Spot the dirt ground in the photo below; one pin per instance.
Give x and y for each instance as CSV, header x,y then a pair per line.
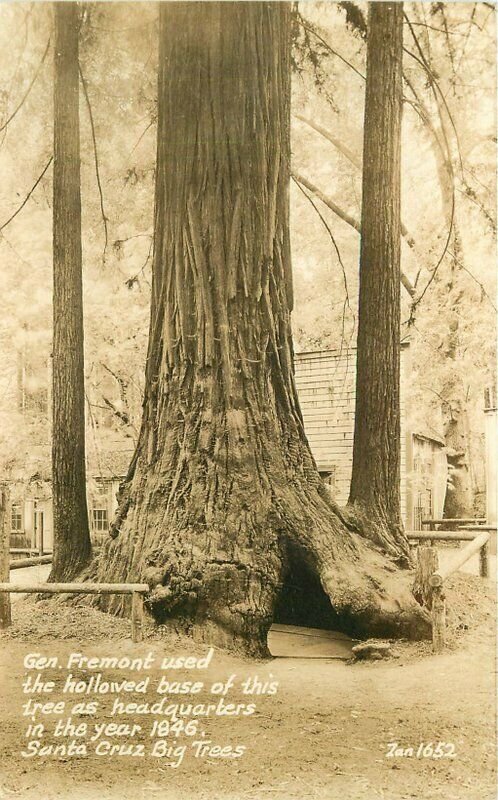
x,y
324,735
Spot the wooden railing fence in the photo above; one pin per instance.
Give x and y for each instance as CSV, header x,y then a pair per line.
x,y
429,578
137,591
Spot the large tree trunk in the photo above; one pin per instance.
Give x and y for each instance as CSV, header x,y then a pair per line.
x,y
375,483
223,511
71,536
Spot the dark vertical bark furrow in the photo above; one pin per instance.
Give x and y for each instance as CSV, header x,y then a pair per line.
x,y
71,534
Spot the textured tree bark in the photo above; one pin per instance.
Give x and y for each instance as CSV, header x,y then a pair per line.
x,y
427,564
72,548
375,483
223,510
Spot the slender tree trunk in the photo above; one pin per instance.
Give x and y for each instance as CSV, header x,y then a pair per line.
x,y
71,536
223,512
375,483
460,496
459,500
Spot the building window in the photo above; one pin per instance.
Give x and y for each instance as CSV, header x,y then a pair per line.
x,y
100,520
423,509
16,519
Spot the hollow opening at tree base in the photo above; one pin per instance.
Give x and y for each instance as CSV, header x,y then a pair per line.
x,y
302,601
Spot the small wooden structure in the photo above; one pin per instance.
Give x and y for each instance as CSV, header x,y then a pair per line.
x,y
429,579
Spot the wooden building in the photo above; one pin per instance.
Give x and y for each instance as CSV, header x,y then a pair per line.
x,y
31,502
325,382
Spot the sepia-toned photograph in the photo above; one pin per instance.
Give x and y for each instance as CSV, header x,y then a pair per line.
x,y
248,431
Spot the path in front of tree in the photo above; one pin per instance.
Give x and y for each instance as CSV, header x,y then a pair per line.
x,y
323,736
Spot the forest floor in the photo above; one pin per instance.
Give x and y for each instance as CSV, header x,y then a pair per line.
x,y
323,735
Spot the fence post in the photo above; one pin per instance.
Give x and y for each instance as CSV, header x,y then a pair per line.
x,y
438,614
490,421
137,616
427,564
5,609
484,560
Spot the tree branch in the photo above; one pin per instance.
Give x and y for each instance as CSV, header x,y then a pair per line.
x,y
96,159
354,223
436,89
433,28
347,303
332,139
121,415
131,281
151,123
28,90
20,208
308,27
418,299
332,238
353,159
471,275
